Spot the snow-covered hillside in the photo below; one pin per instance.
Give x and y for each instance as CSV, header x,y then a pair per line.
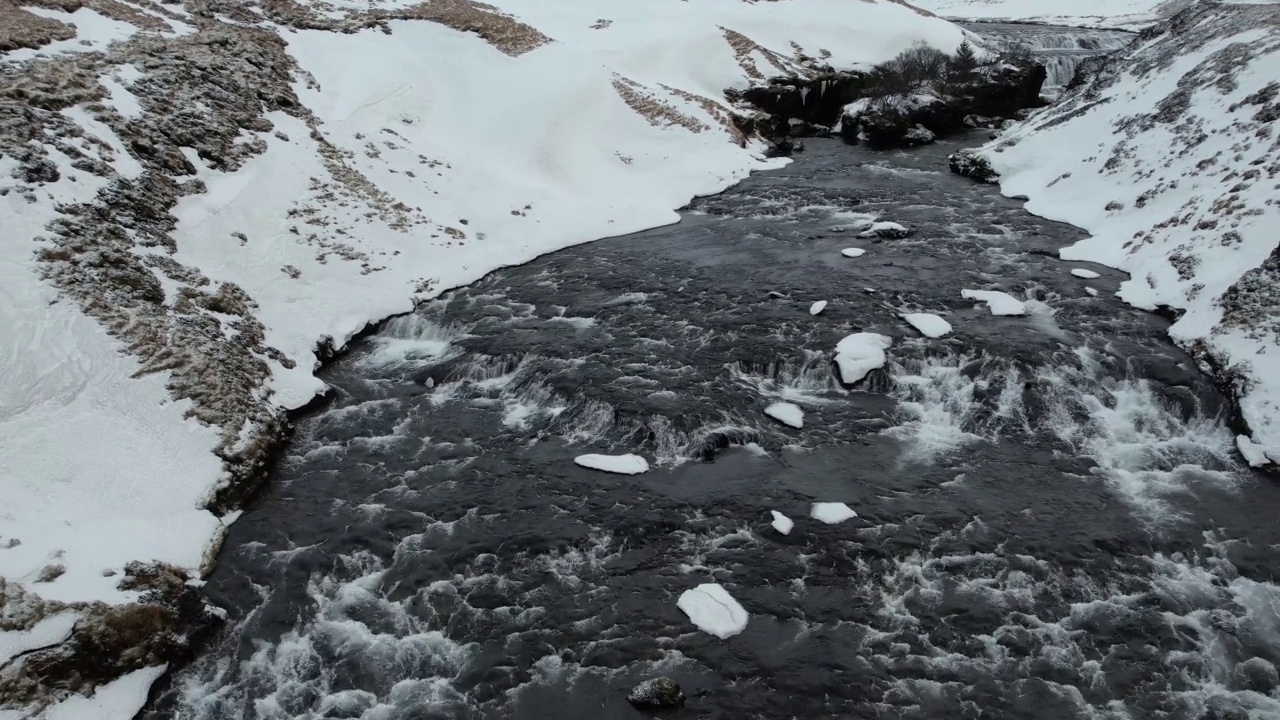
x,y
1170,157
1126,14
195,194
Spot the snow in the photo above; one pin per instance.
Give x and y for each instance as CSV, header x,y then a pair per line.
x,y
713,610
1086,274
853,252
831,513
94,31
1000,303
884,228
781,523
818,307
929,325
859,354
49,631
1122,14
1164,163
620,464
117,700
1253,453
786,413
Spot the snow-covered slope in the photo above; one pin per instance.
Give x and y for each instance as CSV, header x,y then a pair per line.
x,y
1127,14
1170,157
200,191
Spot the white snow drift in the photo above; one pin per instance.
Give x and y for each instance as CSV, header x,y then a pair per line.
x,y
713,610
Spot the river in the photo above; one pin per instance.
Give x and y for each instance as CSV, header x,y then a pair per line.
x,y
1051,520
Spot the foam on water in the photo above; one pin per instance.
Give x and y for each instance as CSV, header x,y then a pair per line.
x,y
412,339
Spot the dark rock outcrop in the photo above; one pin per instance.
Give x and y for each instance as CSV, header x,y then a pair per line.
x,y
968,163
993,95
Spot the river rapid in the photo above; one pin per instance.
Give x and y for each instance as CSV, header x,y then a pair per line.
x,y
1052,522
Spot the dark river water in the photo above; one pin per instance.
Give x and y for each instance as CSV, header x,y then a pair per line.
x,y
1051,520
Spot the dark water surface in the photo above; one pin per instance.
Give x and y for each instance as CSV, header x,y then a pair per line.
x,y
1051,522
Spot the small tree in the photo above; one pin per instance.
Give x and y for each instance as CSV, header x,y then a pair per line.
x,y
965,60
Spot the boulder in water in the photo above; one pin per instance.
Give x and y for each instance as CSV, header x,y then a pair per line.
x,y
660,693
970,164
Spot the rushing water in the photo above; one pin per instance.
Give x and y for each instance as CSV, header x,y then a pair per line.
x,y
1059,49
1051,522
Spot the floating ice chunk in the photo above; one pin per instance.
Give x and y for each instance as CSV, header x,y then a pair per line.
x,y
885,230
1001,303
859,354
817,307
869,291
853,252
1092,292
929,325
620,464
1086,274
831,513
781,523
1253,453
786,413
713,610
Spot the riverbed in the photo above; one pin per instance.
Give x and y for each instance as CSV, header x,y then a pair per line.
x,y
1051,521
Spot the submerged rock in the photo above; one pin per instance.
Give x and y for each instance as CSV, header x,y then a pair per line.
x,y
657,693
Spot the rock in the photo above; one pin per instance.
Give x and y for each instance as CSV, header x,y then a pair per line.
x,y
1256,674
919,135
39,171
660,693
888,230
783,148
967,163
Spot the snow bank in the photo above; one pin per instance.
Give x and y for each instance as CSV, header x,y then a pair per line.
x,y
831,513
859,354
818,307
929,325
1123,14
786,413
713,610
620,464
1168,158
1000,303
782,523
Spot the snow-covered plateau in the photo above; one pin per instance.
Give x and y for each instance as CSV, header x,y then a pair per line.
x,y
202,200
1169,155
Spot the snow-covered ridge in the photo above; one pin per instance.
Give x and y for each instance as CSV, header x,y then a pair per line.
x,y
1127,14
199,192
1170,157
